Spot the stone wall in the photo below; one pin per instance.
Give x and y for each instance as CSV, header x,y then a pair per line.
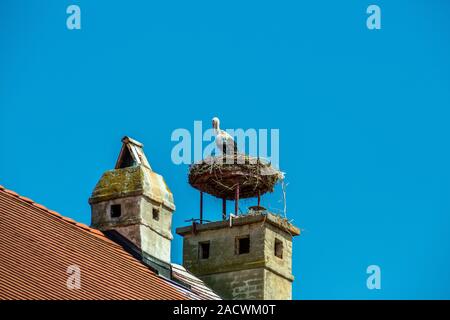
x,y
281,265
238,285
101,213
276,287
222,256
137,224
259,274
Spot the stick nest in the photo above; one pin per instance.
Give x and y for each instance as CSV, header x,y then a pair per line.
x,y
220,175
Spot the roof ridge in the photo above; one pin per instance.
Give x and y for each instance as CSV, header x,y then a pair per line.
x,y
71,221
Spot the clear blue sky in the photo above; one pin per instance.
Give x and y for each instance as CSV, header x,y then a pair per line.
x,y
363,118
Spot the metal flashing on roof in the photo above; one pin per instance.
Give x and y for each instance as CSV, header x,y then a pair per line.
x,y
172,272
162,268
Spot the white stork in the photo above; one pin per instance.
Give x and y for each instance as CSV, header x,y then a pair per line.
x,y
224,140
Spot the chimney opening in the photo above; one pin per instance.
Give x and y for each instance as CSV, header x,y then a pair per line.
x,y
126,159
242,244
116,210
155,214
278,248
203,250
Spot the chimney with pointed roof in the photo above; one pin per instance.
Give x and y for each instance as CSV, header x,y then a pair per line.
x,y
135,202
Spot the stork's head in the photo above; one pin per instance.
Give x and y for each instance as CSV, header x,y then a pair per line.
x,y
215,123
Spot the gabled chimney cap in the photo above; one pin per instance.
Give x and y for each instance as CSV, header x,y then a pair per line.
x,y
132,152
127,139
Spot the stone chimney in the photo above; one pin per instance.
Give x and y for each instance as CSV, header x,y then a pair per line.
x,y
247,257
135,202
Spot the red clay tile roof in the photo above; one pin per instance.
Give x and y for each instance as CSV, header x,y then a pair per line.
x,y
37,246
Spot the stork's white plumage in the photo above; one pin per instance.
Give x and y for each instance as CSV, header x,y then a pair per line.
x,y
224,140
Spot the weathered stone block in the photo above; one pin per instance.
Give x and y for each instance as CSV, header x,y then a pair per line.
x,y
256,274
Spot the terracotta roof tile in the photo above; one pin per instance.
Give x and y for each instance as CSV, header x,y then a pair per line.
x,y
40,206
69,220
54,213
26,199
37,246
11,192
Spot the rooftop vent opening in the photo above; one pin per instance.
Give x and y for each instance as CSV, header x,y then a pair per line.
x,y
278,250
126,160
242,244
116,210
203,250
155,214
